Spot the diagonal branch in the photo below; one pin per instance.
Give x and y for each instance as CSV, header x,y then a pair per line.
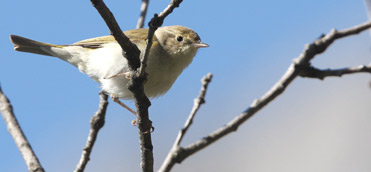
x,y
131,51
19,138
196,106
96,123
310,51
312,72
155,23
143,13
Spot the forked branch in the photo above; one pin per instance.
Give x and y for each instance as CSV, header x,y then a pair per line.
x,y
138,78
297,68
196,106
312,72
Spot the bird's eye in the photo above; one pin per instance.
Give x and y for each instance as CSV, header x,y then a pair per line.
x,y
179,38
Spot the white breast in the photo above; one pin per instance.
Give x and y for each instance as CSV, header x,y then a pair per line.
x,y
108,61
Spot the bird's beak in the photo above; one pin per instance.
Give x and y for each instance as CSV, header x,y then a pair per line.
x,y
200,45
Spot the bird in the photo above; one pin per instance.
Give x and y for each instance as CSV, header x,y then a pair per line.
x,y
101,58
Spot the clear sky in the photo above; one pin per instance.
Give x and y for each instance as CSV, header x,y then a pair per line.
x,y
314,126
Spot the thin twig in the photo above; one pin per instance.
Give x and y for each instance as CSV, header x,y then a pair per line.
x,y
293,71
19,138
196,106
311,72
155,23
96,123
143,13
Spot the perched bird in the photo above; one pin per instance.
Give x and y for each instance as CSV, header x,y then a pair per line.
x,y
101,58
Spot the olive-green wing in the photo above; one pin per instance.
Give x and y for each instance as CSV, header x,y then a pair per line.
x,y
136,36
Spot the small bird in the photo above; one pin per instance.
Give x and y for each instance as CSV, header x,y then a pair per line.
x,y
101,58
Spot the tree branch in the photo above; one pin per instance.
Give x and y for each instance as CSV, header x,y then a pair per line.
x,y
310,51
19,138
135,84
96,123
312,72
141,101
131,51
143,13
155,23
196,106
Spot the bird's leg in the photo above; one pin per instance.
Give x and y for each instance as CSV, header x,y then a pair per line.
x,y
117,100
126,74
133,122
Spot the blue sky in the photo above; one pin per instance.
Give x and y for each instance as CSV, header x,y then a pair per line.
x,y
314,126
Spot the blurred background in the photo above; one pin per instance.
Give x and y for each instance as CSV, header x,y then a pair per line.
x,y
313,126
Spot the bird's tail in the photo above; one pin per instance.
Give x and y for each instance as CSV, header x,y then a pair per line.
x,y
31,46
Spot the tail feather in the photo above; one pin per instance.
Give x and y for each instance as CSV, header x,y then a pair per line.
x,y
31,46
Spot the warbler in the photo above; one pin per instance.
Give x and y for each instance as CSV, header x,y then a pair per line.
x,y
101,58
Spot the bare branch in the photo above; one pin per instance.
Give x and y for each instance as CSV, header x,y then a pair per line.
x,y
155,23
96,123
135,85
310,51
131,51
19,138
142,104
311,72
141,101
169,161
196,106
168,10
143,13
